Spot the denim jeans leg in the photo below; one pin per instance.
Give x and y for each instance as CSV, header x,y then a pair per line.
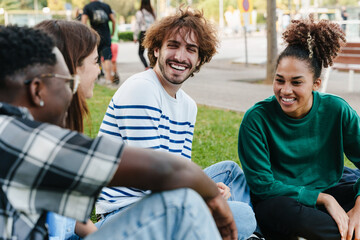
x,y
244,217
109,216
350,175
231,175
177,214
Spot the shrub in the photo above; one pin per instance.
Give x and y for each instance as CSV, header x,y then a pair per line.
x,y
126,36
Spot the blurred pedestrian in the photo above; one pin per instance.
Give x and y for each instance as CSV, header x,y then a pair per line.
x,y
100,14
114,52
145,16
78,14
344,16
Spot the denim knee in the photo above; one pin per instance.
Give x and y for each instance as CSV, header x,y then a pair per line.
x,y
230,168
176,214
244,217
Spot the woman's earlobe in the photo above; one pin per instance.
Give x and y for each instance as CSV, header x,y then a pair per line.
x,y
317,84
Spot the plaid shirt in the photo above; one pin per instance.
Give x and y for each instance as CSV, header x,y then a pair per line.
x,y
47,168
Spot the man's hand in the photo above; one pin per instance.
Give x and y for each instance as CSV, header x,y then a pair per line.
x,y
336,212
223,217
224,190
354,221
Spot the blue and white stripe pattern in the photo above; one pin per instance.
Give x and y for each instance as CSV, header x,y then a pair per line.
x,y
142,114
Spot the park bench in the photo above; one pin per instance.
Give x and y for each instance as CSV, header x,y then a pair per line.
x,y
347,60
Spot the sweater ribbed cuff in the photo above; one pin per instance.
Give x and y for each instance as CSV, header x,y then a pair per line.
x,y
357,188
308,197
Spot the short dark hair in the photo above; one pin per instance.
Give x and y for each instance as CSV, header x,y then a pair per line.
x,y
189,20
22,47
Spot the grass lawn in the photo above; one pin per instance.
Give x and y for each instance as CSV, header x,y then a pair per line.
x,y
215,137
216,130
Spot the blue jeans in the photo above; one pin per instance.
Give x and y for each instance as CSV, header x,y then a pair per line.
x,y
350,175
60,227
229,173
177,214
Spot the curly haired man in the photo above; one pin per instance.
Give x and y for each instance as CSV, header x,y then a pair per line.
x,y
150,110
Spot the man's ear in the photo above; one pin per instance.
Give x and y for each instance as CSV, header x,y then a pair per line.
x,y
37,92
156,52
198,62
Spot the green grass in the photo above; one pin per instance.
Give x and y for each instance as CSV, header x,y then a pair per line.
x,y
97,105
216,130
215,136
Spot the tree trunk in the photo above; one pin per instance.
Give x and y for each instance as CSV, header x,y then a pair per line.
x,y
271,41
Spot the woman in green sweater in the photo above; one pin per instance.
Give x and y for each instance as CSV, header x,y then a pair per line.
x,y
292,144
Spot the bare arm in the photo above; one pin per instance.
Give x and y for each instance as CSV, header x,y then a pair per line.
x,y
336,212
158,171
84,18
84,229
354,221
147,169
112,18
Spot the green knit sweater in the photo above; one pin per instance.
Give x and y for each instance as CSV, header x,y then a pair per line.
x,y
298,158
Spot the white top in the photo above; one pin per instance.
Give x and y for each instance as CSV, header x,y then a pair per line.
x,y
143,114
144,19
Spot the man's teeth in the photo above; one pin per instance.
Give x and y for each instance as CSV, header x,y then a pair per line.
x,y
288,99
177,67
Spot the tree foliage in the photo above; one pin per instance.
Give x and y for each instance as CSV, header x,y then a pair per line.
x,y
211,7
123,8
10,4
127,8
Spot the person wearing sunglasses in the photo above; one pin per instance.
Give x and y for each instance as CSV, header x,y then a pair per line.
x,y
72,81
45,167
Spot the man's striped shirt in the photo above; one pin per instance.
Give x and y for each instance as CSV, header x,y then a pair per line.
x,y
143,114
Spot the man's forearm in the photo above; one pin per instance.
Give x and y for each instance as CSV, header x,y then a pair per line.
x,y
158,171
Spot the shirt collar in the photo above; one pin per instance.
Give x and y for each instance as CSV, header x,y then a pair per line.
x,y
10,110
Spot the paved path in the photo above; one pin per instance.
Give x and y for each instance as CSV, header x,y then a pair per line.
x,y
225,84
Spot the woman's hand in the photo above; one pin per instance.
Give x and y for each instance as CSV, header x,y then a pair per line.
x,y
336,212
354,221
224,190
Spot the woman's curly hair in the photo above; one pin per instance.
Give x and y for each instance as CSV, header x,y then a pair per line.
x,y
189,20
316,42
